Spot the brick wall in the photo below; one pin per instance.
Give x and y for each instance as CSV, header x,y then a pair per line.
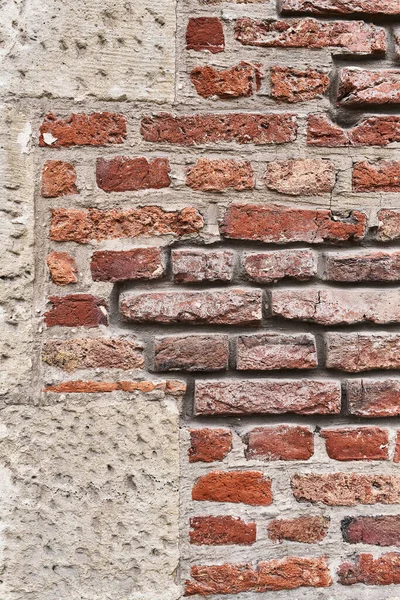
x,y
242,243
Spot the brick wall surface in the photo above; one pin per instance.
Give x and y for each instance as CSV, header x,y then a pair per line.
x,y
233,245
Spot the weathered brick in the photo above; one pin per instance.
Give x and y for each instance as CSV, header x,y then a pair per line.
x,y
382,176
384,570
228,307
93,353
95,129
285,574
371,131
337,306
58,179
355,352
191,353
301,177
209,445
76,310
140,263
363,266
342,37
246,487
194,266
219,175
62,268
360,87
306,530
269,267
346,489
242,80
205,33
221,531
361,443
374,398
242,128
281,224
271,351
388,224
379,531
123,174
396,457
173,388
274,396
83,226
342,7
283,442
297,85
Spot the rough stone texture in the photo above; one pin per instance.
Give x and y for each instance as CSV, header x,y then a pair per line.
x,y
95,129
246,487
371,131
356,352
359,87
374,398
345,7
196,266
123,174
58,179
140,263
76,310
296,85
270,351
378,531
209,445
269,267
191,353
62,268
205,33
362,443
307,530
363,266
383,570
301,177
388,225
221,531
382,176
239,81
219,175
280,443
278,396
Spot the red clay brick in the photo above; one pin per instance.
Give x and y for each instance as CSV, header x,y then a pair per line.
x,y
374,398
363,266
191,353
371,131
195,266
246,487
270,351
341,7
301,177
221,531
83,226
76,310
219,175
274,396
356,352
283,442
242,128
95,129
396,457
123,174
209,445
306,530
281,224
173,388
140,263
62,268
388,225
382,176
361,443
297,85
269,267
205,33
58,179
242,80
378,531
384,570
360,87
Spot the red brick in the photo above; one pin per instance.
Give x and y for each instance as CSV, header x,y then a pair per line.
x,y
62,268
96,129
342,7
269,267
191,353
379,531
301,177
374,398
361,443
228,307
285,574
242,128
337,306
194,266
346,489
355,352
363,266
219,175
209,445
284,442
205,33
281,224
297,85
123,174
384,570
270,351
371,131
246,487
388,225
306,530
140,263
76,310
342,37
221,531
360,87
93,353
242,80
58,179
396,457
382,176
274,396
173,388
83,226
